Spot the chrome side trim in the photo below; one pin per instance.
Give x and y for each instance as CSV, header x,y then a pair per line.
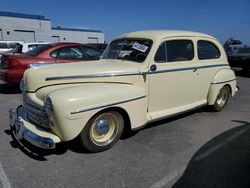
x,y
90,76
188,68
130,74
210,66
112,104
224,81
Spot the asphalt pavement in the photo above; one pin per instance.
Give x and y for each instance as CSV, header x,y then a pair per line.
x,y
195,149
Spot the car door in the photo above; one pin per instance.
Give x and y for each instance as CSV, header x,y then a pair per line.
x,y
173,79
209,62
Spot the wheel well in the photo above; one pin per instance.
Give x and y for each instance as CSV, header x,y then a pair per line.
x,y
127,122
230,89
211,97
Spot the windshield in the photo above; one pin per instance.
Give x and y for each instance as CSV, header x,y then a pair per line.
x,y
128,49
36,51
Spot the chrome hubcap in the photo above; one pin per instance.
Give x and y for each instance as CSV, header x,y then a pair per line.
x,y
222,97
104,129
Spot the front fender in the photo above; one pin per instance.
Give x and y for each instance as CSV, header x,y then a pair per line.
x,y
74,106
221,78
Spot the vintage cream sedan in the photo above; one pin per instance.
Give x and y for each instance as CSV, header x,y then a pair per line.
x,y
142,77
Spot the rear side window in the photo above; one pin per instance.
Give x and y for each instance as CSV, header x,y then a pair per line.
x,y
32,46
70,53
175,50
54,53
207,50
38,50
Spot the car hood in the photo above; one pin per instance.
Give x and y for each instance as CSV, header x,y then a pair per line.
x,y
101,71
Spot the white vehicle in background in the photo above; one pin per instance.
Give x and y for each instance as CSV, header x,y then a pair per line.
x,y
7,46
18,47
23,47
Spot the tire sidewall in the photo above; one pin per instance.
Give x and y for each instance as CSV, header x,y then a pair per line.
x,y
86,139
216,106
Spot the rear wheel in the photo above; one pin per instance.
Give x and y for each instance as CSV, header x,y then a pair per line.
x,y
222,99
102,131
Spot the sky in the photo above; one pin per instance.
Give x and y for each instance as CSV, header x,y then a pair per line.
x,y
220,18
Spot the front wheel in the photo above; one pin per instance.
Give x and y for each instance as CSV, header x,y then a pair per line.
x,y
222,99
102,131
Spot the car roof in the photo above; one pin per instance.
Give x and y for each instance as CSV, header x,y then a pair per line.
x,y
67,44
54,46
10,41
159,34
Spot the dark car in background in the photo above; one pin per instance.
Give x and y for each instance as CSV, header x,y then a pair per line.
x,y
12,67
240,58
100,46
238,54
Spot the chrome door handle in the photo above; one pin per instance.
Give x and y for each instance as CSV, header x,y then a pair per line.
x,y
195,69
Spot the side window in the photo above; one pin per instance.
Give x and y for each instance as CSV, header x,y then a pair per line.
x,y
18,48
12,44
54,53
175,50
32,46
3,45
71,53
207,50
160,56
91,53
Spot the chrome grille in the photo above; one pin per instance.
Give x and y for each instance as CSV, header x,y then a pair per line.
x,y
35,113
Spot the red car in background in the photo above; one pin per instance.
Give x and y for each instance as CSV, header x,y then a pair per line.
x,y
12,67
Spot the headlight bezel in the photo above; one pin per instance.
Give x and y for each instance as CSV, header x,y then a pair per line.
x,y
22,86
48,106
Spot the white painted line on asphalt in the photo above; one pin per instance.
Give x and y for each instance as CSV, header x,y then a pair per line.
x,y
221,144
3,178
167,179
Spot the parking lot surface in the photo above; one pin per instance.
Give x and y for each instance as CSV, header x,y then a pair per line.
x,y
196,149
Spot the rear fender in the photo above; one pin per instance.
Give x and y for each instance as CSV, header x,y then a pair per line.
x,y
222,77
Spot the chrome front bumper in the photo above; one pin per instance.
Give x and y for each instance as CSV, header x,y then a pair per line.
x,y
22,129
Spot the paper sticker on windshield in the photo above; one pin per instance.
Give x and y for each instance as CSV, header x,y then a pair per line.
x,y
140,47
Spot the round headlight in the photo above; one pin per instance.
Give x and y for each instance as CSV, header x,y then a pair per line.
x,y
48,106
